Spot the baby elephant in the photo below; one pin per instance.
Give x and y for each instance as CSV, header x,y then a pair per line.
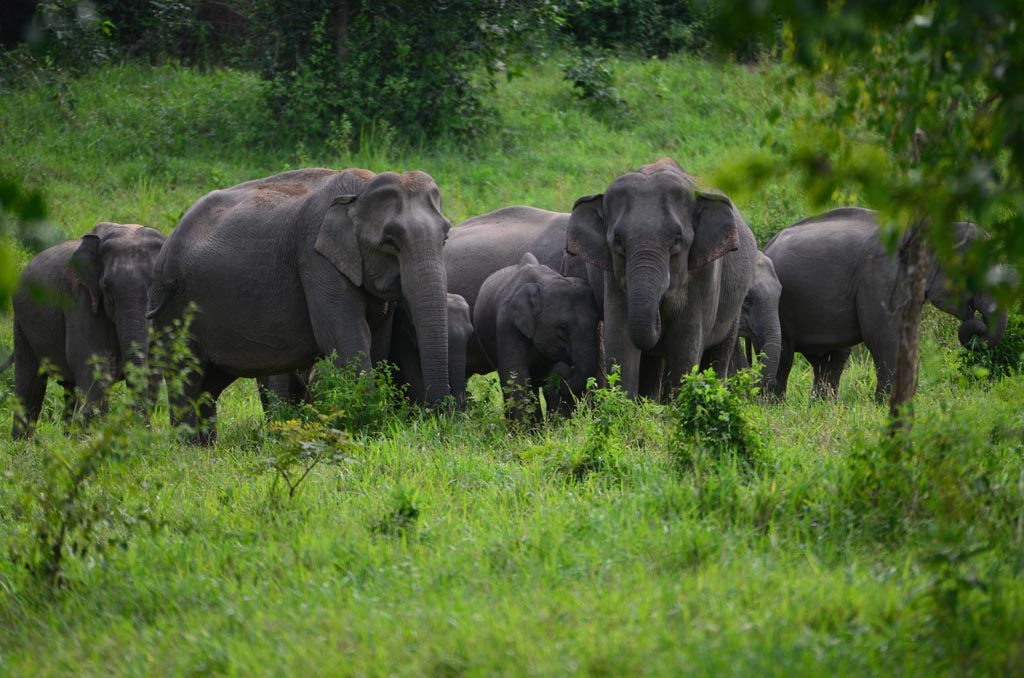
x,y
80,306
533,323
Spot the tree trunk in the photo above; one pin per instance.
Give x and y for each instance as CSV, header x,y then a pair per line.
x,y
908,298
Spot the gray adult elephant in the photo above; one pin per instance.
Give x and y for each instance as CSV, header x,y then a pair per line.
x,y
80,302
284,270
759,324
838,286
677,263
533,323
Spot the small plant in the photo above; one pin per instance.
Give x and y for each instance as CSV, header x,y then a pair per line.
x,y
611,410
353,399
401,518
76,510
713,420
300,446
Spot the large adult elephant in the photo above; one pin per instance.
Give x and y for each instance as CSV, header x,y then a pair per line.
x,y
284,270
677,263
759,324
838,285
78,302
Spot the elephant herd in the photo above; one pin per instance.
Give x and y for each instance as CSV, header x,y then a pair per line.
x,y
659,271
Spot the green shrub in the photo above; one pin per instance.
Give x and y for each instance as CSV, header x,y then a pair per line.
x,y
713,420
1006,357
644,27
594,84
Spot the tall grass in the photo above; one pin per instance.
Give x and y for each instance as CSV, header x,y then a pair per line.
x,y
461,545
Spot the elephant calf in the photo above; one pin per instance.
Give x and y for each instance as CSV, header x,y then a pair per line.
x,y
531,323
838,284
78,302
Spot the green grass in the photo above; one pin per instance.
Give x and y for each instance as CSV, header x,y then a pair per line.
x,y
832,558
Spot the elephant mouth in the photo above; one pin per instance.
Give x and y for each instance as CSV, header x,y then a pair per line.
x,y
972,334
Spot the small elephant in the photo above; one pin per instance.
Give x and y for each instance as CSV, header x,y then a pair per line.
x,y
838,284
759,324
284,269
677,263
394,340
533,323
77,303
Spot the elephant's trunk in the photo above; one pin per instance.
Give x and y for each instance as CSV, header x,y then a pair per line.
x,y
990,327
646,282
133,342
770,345
425,290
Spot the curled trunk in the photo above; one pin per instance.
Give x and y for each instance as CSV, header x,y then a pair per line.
x,y
647,280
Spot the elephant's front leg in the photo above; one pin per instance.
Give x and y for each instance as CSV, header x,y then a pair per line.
x,y
619,348
514,372
340,326
682,344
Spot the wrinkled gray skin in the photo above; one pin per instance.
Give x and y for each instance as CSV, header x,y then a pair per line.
x,y
677,264
837,291
285,269
532,323
759,324
77,302
394,340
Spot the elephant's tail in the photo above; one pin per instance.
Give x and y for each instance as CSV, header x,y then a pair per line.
x,y
7,363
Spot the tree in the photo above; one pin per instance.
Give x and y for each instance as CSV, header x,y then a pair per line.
x,y
923,118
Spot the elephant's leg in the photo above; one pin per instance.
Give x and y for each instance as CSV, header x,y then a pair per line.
x,y
882,347
71,403
93,380
214,382
29,387
514,373
819,366
651,377
618,346
835,364
782,375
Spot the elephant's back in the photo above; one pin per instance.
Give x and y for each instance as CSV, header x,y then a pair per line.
x,y
481,245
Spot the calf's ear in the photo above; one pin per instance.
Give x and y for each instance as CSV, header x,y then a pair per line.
x,y
525,305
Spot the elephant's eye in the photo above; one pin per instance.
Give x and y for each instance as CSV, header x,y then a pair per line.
x,y
677,245
617,243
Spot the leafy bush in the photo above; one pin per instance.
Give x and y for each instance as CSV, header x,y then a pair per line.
x,y
712,419
418,67
349,399
1006,357
594,83
644,27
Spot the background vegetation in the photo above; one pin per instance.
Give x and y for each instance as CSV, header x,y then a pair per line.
x,y
719,535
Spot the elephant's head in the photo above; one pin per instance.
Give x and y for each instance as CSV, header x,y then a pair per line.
x,y
113,269
651,229
978,311
386,236
559,317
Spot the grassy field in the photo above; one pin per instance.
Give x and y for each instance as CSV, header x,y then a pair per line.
x,y
461,546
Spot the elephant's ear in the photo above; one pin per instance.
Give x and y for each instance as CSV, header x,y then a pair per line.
x,y
528,259
337,240
83,269
715,230
525,304
587,236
